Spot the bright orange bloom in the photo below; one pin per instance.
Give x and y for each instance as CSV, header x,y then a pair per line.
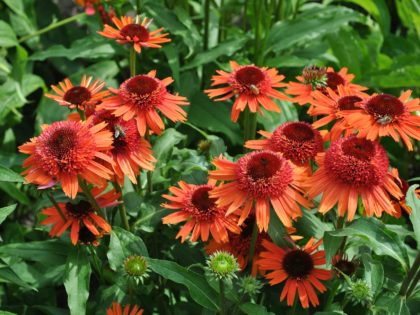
x,y
118,310
296,141
80,217
253,85
297,267
129,31
140,97
353,168
203,217
385,115
260,177
400,204
332,104
84,96
130,151
314,78
65,150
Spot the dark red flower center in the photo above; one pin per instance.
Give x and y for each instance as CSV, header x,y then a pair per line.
x,y
77,95
359,148
345,266
263,166
86,236
249,75
141,85
62,142
201,199
135,32
385,107
334,80
298,263
79,210
299,132
348,102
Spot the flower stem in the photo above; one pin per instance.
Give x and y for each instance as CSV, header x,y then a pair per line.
x,y
413,284
89,195
250,125
222,297
81,114
132,62
410,275
96,262
121,207
57,207
206,24
52,26
254,238
149,173
332,295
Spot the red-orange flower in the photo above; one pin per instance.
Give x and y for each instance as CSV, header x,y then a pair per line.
x,y
88,5
314,78
80,217
130,151
353,168
118,310
332,104
296,141
260,177
84,96
135,32
298,267
203,216
140,97
254,86
400,204
386,115
65,150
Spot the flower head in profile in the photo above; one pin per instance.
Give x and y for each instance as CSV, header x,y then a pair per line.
x,y
142,97
253,86
386,115
66,150
299,267
129,150
85,225
343,265
135,32
117,309
352,168
296,141
332,105
203,216
400,204
318,79
260,178
84,96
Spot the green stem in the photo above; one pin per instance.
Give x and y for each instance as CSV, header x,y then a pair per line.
x,y
410,275
57,207
149,173
333,292
250,125
132,62
52,26
206,24
81,114
222,297
221,22
413,284
244,26
96,262
121,207
339,226
89,195
138,6
254,238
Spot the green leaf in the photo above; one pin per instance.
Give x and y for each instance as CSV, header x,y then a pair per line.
x,y
165,144
15,193
7,36
9,275
252,309
374,274
5,211
331,246
374,234
398,306
276,230
7,175
122,245
6,313
76,281
414,203
271,120
310,225
199,289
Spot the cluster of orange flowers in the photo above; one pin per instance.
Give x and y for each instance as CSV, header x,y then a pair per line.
x,y
107,140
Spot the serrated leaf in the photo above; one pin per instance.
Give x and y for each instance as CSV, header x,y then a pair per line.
x,y
5,211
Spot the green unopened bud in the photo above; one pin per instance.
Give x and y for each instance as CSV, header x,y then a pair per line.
x,y
136,266
360,292
250,285
222,265
315,76
204,146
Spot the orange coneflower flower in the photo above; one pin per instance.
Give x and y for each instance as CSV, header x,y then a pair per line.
x,y
81,218
88,5
130,151
118,310
353,168
253,85
386,115
296,141
297,267
260,177
84,96
65,150
400,204
333,104
134,32
314,78
195,205
140,97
